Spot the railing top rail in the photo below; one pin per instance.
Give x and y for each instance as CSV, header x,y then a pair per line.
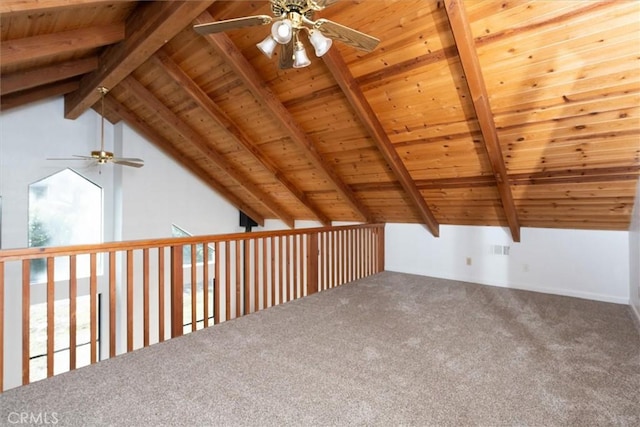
x,y
39,252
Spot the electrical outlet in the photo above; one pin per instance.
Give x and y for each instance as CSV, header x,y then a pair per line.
x,y
469,261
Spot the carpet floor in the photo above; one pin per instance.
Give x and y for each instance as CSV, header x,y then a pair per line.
x,y
391,349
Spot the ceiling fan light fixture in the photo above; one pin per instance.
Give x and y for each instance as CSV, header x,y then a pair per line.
x,y
282,31
320,43
300,58
267,46
290,17
102,156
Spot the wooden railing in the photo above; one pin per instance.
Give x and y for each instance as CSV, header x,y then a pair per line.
x,y
141,292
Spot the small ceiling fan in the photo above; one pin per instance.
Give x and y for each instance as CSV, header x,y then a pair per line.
x,y
101,156
290,18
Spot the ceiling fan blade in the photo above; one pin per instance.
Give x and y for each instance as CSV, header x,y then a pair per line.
x,y
128,159
325,3
71,158
136,163
232,24
286,55
347,35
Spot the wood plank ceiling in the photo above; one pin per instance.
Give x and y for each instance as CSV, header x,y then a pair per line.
x,y
509,113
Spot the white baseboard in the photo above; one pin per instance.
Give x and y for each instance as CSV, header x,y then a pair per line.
x,y
567,293
553,291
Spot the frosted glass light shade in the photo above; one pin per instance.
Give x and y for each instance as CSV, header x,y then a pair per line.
x,y
267,46
320,43
282,31
300,58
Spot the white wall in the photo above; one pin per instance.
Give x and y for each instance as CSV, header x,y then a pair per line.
x,y
634,258
148,200
28,137
164,193
138,203
579,263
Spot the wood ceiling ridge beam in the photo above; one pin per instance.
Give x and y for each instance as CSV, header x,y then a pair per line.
x,y
9,8
148,28
463,37
23,80
335,63
164,145
555,21
173,70
19,51
14,100
200,143
256,84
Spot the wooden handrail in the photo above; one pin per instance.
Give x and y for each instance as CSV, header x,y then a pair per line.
x,y
143,283
31,253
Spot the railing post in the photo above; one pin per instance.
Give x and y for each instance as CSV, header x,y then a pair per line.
x,y
177,291
2,324
246,274
312,264
380,231
26,319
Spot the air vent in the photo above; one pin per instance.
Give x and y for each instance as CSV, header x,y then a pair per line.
x,y
499,250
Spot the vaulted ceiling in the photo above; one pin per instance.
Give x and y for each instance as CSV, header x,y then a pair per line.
x,y
509,113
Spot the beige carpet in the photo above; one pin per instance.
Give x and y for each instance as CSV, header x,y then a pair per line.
x,y
393,349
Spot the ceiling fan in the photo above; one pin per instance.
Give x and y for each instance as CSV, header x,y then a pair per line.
x,y
290,18
101,156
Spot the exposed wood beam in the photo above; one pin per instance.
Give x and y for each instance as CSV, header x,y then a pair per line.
x,y
148,28
243,69
43,92
198,142
13,7
116,108
475,80
368,118
163,61
18,51
578,176
18,81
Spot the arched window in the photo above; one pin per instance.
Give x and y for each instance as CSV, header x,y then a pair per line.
x,y
64,209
